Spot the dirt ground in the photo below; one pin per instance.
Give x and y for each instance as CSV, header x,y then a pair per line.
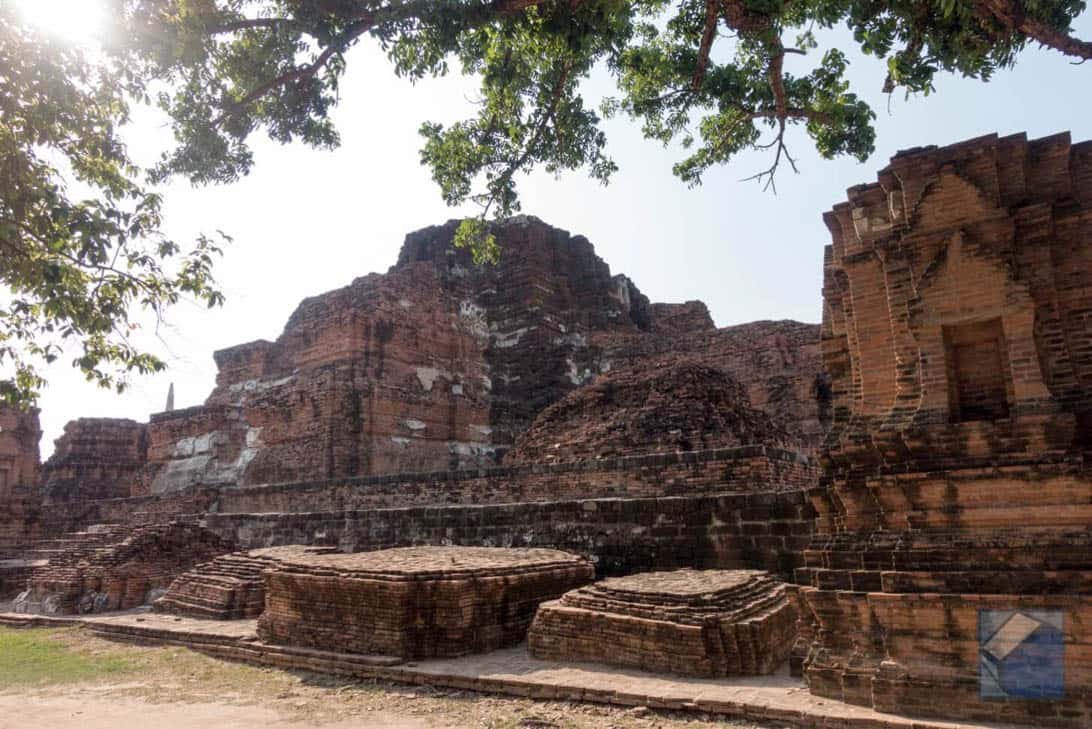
x,y
174,688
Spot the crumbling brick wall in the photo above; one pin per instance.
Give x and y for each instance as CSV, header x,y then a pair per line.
x,y
116,568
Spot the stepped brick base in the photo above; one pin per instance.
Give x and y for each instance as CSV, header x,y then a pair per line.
x,y
230,587
414,602
699,623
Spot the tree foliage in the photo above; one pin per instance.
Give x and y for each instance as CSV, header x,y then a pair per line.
x,y
709,74
77,271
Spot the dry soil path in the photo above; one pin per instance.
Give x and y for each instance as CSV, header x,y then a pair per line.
x,y
87,711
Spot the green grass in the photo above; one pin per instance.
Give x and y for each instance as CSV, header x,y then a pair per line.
x,y
40,657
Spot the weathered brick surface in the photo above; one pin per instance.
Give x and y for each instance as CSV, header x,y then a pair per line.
x,y
665,405
747,469
20,433
697,623
777,362
19,459
438,364
957,332
417,602
112,567
229,587
96,458
185,505
621,536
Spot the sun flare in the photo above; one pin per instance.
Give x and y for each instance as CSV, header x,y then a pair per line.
x,y
77,21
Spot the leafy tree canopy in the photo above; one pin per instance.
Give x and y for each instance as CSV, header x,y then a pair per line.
x,y
82,256
709,74
237,66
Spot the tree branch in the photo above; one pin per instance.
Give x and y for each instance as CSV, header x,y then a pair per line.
x,y
1011,14
540,129
707,36
301,73
245,24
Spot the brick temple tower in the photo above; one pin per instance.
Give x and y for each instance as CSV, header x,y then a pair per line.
x,y
957,330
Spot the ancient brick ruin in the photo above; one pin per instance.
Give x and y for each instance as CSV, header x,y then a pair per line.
x,y
402,464
96,458
437,365
20,433
114,567
415,602
662,405
408,408
698,623
957,332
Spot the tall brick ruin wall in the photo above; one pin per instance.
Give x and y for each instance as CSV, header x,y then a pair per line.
x,y
438,364
96,458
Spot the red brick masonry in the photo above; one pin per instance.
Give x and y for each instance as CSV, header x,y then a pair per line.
x,y
958,335
697,623
416,602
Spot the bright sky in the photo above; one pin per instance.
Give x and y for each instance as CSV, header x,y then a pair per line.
x,y
305,222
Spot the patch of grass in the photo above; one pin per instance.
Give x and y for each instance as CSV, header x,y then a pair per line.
x,y
41,657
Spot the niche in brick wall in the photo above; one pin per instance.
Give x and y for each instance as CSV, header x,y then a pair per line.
x,y
979,379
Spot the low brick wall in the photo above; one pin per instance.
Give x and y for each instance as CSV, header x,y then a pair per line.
x,y
621,536
743,469
747,469
66,516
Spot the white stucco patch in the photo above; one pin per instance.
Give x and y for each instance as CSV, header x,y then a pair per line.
x,y
474,450
253,443
427,376
620,290
505,340
576,339
250,387
576,375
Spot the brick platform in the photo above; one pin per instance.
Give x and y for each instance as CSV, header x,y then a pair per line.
x,y
414,602
698,623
